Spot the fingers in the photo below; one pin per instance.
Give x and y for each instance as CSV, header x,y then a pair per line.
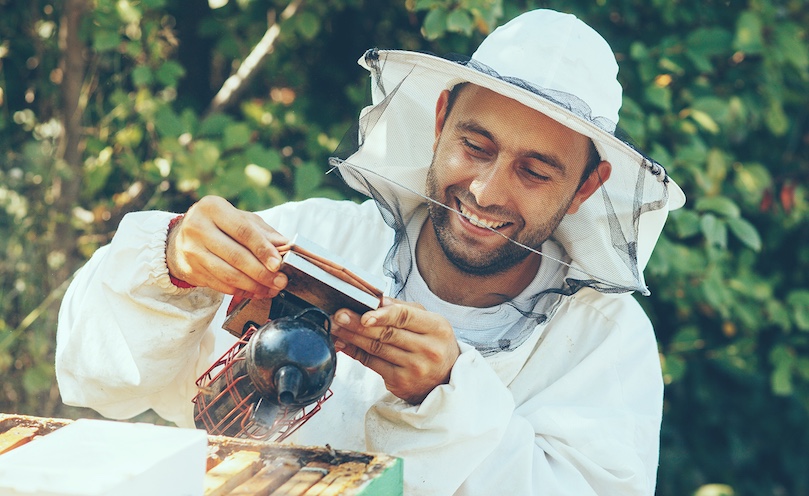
x,y
378,348
412,349
257,238
229,250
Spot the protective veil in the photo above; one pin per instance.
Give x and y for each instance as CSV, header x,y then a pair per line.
x,y
607,243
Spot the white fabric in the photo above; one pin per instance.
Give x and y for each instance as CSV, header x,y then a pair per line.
x,y
574,410
487,326
576,60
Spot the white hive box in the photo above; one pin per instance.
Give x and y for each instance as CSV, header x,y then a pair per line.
x,y
101,457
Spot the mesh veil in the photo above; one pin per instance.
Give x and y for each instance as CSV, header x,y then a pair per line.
x,y
604,246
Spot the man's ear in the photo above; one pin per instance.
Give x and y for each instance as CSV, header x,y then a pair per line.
x,y
597,177
440,115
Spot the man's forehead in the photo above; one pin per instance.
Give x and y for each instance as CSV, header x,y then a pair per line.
x,y
522,121
473,95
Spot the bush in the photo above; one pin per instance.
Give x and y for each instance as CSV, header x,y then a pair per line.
x,y
715,91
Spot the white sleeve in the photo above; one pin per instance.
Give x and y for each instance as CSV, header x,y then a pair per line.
x,y
127,338
581,418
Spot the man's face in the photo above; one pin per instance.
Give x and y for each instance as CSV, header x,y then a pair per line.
x,y
507,167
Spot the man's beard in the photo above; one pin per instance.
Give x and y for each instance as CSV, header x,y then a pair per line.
x,y
474,262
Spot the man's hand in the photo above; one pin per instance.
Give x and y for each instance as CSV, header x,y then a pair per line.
x,y
412,349
216,245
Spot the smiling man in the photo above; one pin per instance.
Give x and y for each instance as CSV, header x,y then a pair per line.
x,y
512,226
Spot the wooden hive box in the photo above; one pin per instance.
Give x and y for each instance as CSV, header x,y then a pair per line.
x,y
246,467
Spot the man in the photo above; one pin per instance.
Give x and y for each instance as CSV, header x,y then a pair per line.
x,y
509,356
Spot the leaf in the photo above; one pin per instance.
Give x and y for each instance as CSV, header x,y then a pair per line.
x,y
106,40
692,152
751,179
459,21
715,490
266,158
435,23
659,97
716,166
721,205
236,136
705,121
791,40
802,368
426,4
714,230
781,378
798,303
674,368
687,222
704,43
214,125
778,314
231,183
307,24
661,154
638,51
746,233
308,177
168,123
130,136
169,73
748,37
687,339
709,42
715,291
96,172
717,108
687,260
776,119
142,76
204,156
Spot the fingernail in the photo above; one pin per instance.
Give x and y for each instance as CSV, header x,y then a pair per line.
x,y
273,264
370,321
342,318
280,280
339,345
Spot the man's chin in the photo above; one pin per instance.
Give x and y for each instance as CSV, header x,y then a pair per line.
x,y
489,265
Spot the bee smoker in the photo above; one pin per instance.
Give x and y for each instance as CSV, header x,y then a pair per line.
x,y
263,385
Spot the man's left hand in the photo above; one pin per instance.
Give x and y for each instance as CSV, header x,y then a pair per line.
x,y
412,349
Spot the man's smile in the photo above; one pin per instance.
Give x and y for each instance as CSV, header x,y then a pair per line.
x,y
479,221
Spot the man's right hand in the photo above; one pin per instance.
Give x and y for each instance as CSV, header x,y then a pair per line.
x,y
218,246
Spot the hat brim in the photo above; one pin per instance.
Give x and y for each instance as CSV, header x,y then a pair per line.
x,y
444,74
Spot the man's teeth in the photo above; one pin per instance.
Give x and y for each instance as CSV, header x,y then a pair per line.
x,y
474,219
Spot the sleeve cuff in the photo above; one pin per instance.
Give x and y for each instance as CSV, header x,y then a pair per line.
x,y
175,281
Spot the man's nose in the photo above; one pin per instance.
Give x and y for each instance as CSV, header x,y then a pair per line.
x,y
490,186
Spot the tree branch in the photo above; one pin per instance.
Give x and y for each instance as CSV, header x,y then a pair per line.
x,y
236,83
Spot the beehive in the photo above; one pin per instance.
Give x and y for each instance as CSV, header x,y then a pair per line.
x,y
247,467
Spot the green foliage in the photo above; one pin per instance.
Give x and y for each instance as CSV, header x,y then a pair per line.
x,y
714,90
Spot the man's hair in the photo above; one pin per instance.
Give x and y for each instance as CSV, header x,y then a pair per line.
x,y
593,158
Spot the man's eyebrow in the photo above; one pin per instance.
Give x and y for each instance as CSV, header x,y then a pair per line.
x,y
548,158
474,127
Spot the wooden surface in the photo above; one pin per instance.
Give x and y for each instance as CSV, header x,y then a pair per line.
x,y
242,467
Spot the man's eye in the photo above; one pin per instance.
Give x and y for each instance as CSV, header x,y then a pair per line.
x,y
535,175
479,150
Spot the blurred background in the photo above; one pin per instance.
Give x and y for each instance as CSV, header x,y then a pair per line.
x,y
111,106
